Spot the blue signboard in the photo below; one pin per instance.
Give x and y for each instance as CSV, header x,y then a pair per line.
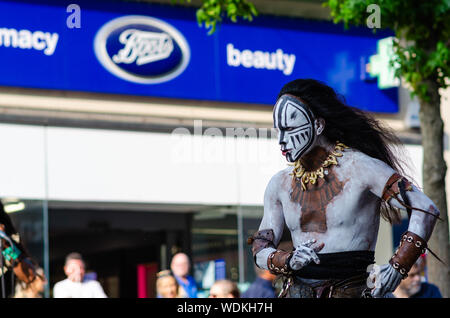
x,y
155,50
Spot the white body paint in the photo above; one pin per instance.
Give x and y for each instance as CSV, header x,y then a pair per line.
x,y
296,126
352,217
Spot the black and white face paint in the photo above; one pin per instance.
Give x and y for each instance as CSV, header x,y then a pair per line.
x,y
295,123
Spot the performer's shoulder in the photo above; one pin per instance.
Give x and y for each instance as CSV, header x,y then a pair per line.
x,y
279,177
282,174
360,157
352,153
357,158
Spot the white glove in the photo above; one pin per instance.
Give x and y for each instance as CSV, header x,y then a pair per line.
x,y
304,254
386,279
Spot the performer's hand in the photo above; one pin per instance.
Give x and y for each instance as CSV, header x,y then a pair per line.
x,y
385,280
304,254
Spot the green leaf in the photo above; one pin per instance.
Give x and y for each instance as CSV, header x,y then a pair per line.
x,y
424,24
232,9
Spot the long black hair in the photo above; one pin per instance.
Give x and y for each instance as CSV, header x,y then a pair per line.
x,y
349,125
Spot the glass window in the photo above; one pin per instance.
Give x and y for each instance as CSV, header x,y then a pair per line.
x,y
27,216
214,247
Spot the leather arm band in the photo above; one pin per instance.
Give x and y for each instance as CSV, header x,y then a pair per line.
x,y
392,188
278,262
261,240
410,249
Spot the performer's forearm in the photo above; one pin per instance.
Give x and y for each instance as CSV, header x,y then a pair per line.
x,y
414,241
265,254
262,245
401,194
424,213
421,223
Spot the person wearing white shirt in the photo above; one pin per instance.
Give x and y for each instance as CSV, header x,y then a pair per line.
x,y
75,285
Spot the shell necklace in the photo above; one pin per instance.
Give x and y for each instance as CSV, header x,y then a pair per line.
x,y
304,177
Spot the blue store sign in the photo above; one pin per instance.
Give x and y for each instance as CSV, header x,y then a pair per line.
x,y
141,49
155,50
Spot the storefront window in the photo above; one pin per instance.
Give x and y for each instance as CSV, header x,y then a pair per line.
x,y
251,219
214,247
219,246
28,217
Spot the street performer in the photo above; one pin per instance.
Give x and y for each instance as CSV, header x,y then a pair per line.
x,y
13,257
342,177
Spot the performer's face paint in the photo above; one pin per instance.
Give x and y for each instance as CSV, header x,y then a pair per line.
x,y
295,123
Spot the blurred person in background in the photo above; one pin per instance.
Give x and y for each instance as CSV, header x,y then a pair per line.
x,y
33,289
224,288
414,286
262,287
166,285
180,267
75,285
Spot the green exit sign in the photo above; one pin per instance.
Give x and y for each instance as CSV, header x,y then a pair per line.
x,y
380,64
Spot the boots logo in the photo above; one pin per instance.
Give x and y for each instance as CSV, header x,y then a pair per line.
x,y
141,49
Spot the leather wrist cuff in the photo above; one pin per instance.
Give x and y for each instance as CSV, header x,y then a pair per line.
x,y
392,189
261,240
410,249
278,262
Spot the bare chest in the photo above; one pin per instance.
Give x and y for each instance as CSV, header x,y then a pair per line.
x,y
336,202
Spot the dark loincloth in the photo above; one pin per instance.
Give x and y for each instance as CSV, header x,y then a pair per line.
x,y
339,275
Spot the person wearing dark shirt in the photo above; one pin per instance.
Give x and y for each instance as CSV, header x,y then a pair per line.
x,y
180,267
262,287
414,287
427,290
